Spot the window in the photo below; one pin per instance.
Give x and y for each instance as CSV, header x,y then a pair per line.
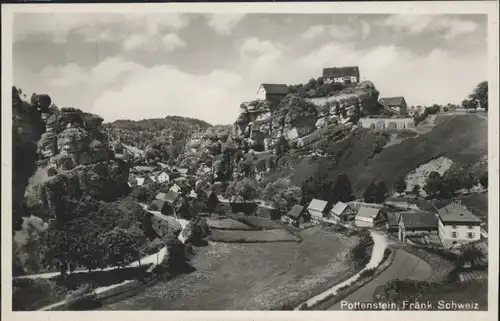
x,y
471,235
454,234
471,227
453,226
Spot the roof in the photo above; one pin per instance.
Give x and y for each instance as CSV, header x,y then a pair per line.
x,y
275,88
182,170
295,211
393,218
339,208
157,203
341,71
392,101
170,197
368,212
457,213
419,220
161,196
317,205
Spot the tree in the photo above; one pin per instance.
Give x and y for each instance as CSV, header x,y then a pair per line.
x,y
467,104
483,180
433,183
281,146
282,194
342,190
471,254
381,192
400,185
369,196
246,189
467,181
479,98
416,189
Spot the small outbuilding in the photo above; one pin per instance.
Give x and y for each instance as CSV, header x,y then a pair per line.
x,y
368,217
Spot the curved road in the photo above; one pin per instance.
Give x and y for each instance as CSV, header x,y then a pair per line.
x,y
404,266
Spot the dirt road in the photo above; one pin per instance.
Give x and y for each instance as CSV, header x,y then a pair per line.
x,y
405,266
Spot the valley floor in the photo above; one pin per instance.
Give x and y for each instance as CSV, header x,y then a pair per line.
x,y
259,276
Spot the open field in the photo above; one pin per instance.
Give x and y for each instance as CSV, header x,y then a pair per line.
x,y
227,224
276,235
258,222
252,276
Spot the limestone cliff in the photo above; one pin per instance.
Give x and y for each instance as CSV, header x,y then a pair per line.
x,y
75,161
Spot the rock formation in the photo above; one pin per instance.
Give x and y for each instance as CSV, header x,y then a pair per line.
x,y
73,154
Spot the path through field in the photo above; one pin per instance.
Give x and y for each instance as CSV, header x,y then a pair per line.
x,y
404,266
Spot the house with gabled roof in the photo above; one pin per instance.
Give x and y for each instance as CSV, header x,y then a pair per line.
x,y
392,222
343,212
397,104
295,216
160,206
171,197
272,92
457,224
368,217
344,75
317,209
416,224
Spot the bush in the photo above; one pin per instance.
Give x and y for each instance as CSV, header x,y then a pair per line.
x,y
367,273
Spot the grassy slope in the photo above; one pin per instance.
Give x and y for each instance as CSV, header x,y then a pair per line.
x,y
462,138
252,276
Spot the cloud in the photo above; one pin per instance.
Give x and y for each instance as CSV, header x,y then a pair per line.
x,y
100,76
314,32
223,24
339,32
172,42
57,27
117,88
447,27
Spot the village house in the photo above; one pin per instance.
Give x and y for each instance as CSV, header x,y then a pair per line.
x,y
181,185
343,212
272,92
416,224
368,217
170,197
317,209
267,211
344,75
458,225
160,206
392,222
183,171
163,177
397,104
295,216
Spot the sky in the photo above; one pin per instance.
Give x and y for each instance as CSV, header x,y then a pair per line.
x,y
138,66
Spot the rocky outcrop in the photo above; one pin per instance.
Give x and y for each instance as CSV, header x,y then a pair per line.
x,y
27,128
74,159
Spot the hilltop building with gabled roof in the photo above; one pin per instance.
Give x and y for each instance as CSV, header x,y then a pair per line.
x,y
344,75
272,92
397,104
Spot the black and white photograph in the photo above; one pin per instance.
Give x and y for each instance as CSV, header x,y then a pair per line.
x,y
250,161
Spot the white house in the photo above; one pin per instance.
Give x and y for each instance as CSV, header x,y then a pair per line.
x,y
368,217
272,92
163,177
343,212
345,75
140,181
457,224
317,209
